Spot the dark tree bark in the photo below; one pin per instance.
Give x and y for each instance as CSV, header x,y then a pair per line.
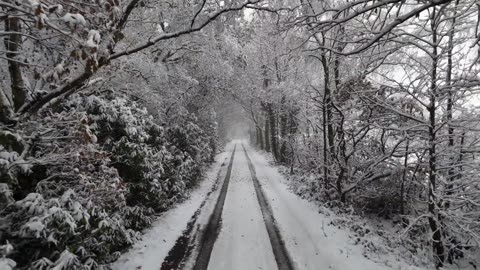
x,y
450,102
6,111
328,133
260,137
326,162
341,156
267,136
273,130
284,136
328,106
283,132
13,43
404,179
435,226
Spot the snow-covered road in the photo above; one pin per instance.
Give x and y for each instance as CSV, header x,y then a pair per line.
x,y
243,242
278,231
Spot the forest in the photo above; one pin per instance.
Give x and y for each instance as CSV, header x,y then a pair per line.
x,y
111,112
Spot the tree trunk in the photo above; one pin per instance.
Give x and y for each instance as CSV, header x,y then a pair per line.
x,y
273,131
339,47
13,44
6,111
402,186
460,156
259,137
435,226
343,194
451,131
267,136
283,148
328,106
283,132
325,148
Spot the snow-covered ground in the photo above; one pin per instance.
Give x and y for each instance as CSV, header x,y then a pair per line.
x,y
150,252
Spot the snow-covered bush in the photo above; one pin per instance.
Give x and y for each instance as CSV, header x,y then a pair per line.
x,y
157,163
83,179
6,263
193,147
72,214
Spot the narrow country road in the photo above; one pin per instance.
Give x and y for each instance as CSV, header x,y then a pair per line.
x,y
245,218
241,232
247,229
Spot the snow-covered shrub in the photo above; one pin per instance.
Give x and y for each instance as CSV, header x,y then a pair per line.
x,y
6,263
62,223
192,148
158,163
6,196
79,182
136,144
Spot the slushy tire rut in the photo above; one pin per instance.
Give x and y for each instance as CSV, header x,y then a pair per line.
x,y
279,250
213,228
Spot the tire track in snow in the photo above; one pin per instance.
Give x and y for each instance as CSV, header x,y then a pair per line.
x,y
278,246
183,246
209,236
